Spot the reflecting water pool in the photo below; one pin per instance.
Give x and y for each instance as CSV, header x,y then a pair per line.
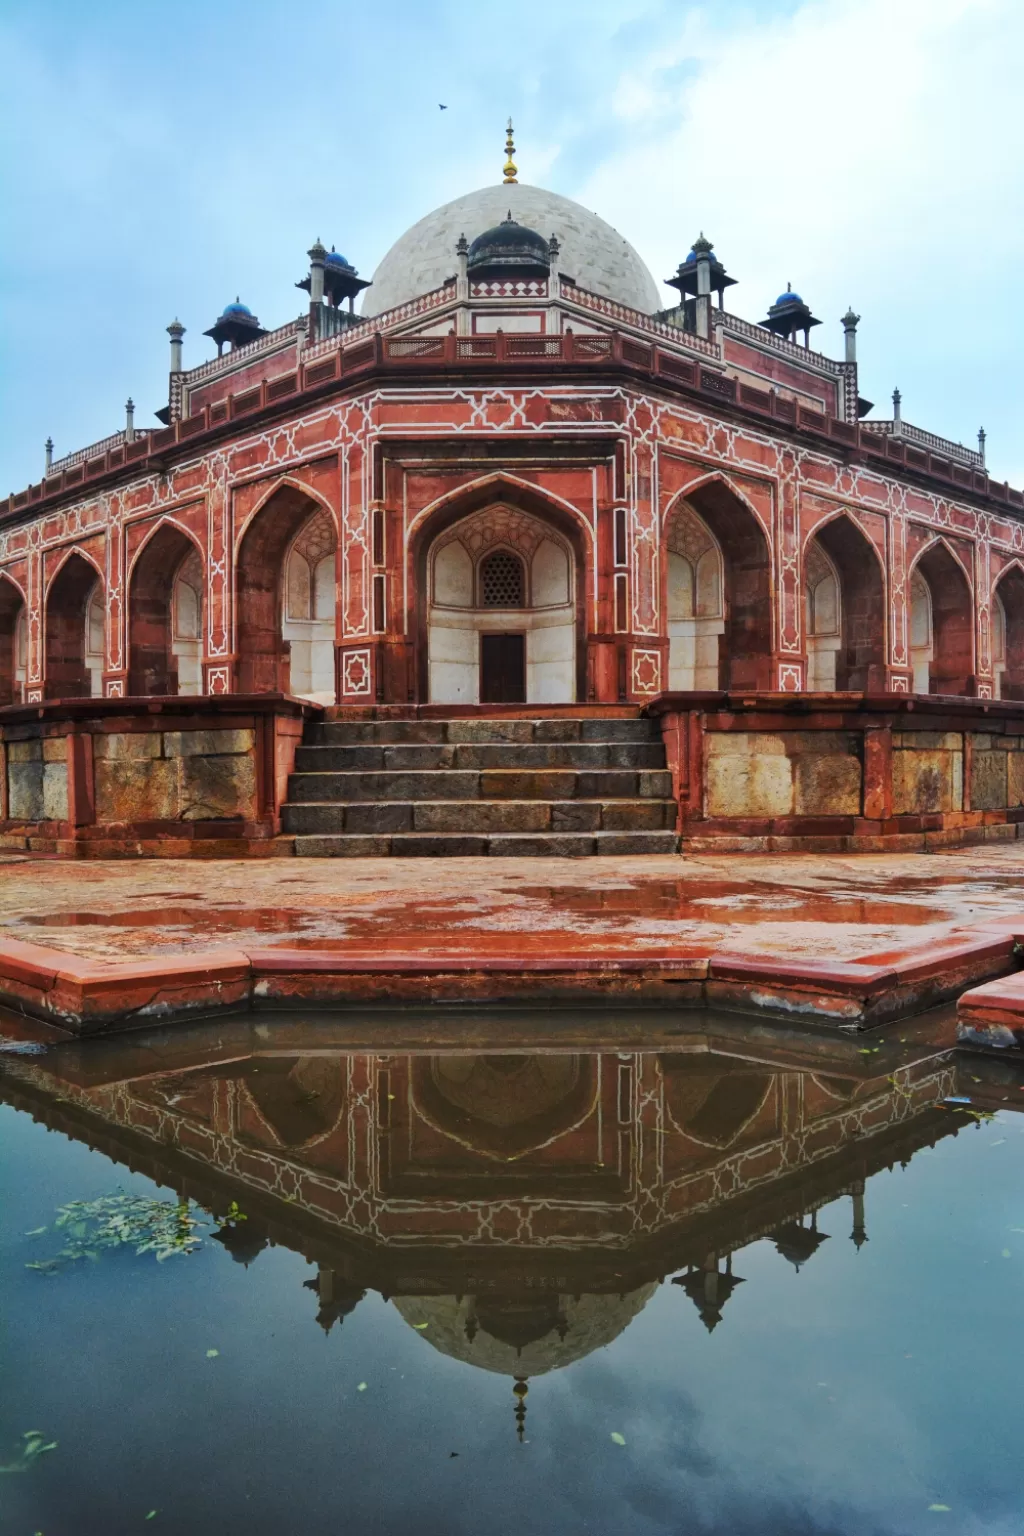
x,y
260,1278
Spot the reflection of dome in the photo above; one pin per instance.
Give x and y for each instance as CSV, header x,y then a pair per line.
x,y
524,1335
508,246
592,252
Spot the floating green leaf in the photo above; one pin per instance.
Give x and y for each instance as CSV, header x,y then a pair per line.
x,y
939,1509
421,1326
34,1444
361,1387
619,1439
90,1228
211,1354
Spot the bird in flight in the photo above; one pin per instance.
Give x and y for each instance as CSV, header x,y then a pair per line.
x,y
443,106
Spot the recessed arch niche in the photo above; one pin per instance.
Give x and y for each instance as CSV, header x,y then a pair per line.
x,y
501,570
286,598
165,616
74,629
941,624
13,643
844,598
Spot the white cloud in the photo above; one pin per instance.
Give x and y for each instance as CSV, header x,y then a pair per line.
x,y
869,151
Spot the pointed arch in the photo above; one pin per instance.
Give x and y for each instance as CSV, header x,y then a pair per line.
x,y
155,593
693,599
561,676
285,483
950,665
264,649
745,646
74,628
1007,614
13,641
860,633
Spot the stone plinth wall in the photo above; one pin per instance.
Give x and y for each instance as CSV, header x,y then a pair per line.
x,y
116,776
843,771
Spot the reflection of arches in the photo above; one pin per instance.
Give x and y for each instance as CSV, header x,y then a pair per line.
x,y
74,631
264,647
560,581
941,623
693,602
13,643
501,570
745,650
845,609
299,1099
713,1108
1008,635
165,615
504,1106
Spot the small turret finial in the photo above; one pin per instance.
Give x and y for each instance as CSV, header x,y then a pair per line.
x,y
520,1390
511,170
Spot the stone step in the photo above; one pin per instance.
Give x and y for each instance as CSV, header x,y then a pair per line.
x,y
480,816
399,758
343,733
508,845
487,784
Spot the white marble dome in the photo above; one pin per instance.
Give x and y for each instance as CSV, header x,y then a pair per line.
x,y
593,253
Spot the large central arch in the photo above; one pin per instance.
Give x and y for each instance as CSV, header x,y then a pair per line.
x,y
500,559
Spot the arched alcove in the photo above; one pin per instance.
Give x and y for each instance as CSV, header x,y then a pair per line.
x,y
74,629
1008,635
448,620
13,643
745,646
165,593
845,610
694,601
941,624
281,592
308,620
501,613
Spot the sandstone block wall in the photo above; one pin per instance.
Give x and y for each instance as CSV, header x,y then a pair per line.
x,y
175,776
788,773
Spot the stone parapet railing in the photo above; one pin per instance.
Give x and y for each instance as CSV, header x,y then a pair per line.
x,y
928,440
364,353
93,451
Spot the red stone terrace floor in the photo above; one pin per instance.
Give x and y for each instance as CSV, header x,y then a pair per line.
x,y
847,940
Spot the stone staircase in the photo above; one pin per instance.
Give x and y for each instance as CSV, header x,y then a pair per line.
x,y
559,786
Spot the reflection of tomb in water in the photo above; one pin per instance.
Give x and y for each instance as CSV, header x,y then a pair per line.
x,y
522,1206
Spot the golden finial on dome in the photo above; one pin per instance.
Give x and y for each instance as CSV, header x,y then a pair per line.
x,y
511,169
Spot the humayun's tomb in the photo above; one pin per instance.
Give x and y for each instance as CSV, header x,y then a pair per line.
x,y
501,500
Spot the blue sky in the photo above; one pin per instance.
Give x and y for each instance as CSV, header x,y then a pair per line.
x,y
160,159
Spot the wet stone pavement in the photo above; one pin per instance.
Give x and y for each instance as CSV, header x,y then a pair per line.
x,y
791,906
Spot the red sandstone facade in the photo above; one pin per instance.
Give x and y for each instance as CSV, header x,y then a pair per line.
x,y
711,514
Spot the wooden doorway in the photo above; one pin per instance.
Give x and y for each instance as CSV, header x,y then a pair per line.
x,y
502,669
